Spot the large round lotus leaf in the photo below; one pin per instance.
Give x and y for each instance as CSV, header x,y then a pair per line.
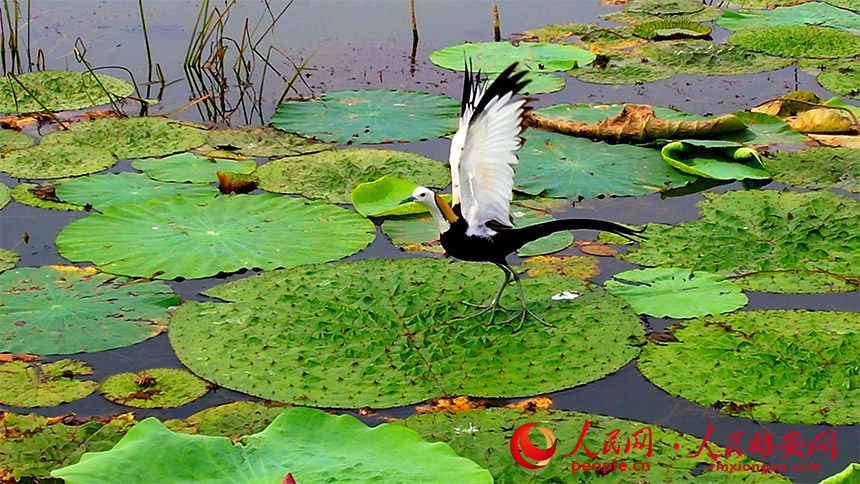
x,y
707,58
235,419
818,168
25,384
720,160
617,37
734,361
14,140
553,32
567,167
413,232
188,167
496,56
671,29
798,41
809,13
262,141
8,259
130,137
22,194
707,14
484,436
676,293
109,189
842,79
59,90
225,234
308,444
5,195
777,241
333,175
48,160
664,7
338,335
622,68
153,388
370,116
31,446
67,309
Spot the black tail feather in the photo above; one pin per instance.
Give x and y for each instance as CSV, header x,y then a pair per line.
x,y
523,236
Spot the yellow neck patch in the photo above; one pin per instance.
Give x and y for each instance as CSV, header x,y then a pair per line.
x,y
447,212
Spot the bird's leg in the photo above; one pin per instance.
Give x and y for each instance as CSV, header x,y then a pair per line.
x,y
524,312
495,305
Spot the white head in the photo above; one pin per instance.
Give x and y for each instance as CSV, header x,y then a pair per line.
x,y
438,207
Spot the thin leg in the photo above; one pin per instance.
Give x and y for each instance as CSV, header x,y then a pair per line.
x,y
495,304
524,312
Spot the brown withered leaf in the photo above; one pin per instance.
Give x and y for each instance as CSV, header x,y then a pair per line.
x,y
663,336
592,248
822,120
231,182
531,404
18,357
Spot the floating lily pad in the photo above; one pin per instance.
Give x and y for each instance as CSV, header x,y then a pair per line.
x,y
671,29
664,7
306,443
676,293
539,82
67,309
484,436
847,476
262,141
413,232
496,56
809,13
22,194
225,234
818,168
129,137
48,160
31,446
27,384
553,32
333,175
569,167
370,116
527,213
331,339
611,37
707,14
842,79
774,241
153,388
763,129
568,265
188,167
851,4
798,41
622,67
109,189
720,160
59,90
701,57
725,361
382,197
235,419
8,259
5,195
14,140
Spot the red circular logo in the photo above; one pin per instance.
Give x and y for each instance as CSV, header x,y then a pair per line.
x,y
521,446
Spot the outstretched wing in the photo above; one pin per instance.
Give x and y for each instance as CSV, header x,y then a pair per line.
x,y
483,151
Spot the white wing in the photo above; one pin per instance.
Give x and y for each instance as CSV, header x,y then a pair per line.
x,y
483,153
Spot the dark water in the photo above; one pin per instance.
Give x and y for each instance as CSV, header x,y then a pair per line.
x,y
358,44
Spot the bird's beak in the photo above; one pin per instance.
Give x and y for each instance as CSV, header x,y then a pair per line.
x,y
407,200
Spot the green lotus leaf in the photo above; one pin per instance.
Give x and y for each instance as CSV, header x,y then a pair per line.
x,y
671,29
613,37
798,41
842,79
262,141
129,137
850,4
24,384
59,90
48,160
153,388
622,67
413,232
849,475
382,197
539,82
188,167
553,32
563,166
701,57
31,446
8,259
323,335
67,309
484,436
664,7
109,189
370,116
762,3
14,140
307,443
525,213
235,419
763,129
227,233
5,195
809,13
333,175
676,293
720,160
707,14
769,240
818,168
496,56
22,194
734,361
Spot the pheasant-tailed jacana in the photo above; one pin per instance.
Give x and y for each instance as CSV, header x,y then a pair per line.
x,y
483,151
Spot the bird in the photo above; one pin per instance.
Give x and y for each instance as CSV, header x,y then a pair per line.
x,y
476,226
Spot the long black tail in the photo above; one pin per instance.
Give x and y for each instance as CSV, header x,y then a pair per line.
x,y
522,236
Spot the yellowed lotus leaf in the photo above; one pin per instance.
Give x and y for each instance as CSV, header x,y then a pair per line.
x,y
821,120
838,140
